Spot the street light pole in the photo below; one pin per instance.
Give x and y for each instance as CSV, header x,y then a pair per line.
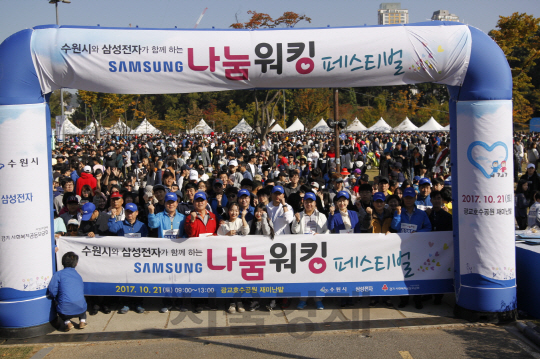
x,y
336,129
55,2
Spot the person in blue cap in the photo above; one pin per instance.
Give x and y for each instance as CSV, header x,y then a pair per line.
x,y
130,225
423,199
280,212
170,223
310,221
343,220
93,222
244,199
410,220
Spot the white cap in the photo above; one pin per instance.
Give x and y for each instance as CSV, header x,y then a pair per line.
x,y
193,175
204,177
73,221
87,169
233,163
530,165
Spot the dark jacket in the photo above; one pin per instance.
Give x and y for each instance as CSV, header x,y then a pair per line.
x,y
99,227
440,220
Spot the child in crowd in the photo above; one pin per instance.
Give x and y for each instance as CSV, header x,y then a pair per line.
x,y
67,290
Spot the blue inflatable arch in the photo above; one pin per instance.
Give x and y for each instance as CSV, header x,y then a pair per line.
x,y
36,61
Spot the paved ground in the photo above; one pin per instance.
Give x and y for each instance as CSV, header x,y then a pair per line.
x,y
487,341
153,324
358,332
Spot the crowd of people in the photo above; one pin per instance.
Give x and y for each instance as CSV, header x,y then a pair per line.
x,y
237,185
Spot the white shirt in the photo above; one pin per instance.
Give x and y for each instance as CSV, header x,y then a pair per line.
x,y
280,218
237,225
346,219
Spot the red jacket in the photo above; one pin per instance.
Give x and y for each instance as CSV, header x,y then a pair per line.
x,y
86,178
197,227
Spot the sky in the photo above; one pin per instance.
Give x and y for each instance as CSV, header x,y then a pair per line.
x,y
16,15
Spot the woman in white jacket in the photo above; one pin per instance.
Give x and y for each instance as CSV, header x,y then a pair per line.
x,y
310,221
235,225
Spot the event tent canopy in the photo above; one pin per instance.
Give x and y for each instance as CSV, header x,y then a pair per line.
x,y
321,127
242,126
296,126
202,127
145,128
91,129
119,128
69,128
447,128
406,125
356,126
277,128
431,125
380,126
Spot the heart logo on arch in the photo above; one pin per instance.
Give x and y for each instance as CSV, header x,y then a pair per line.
x,y
488,159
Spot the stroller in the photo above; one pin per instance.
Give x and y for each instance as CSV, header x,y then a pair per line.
x,y
372,160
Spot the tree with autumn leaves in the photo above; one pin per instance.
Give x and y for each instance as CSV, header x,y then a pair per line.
x,y
266,101
518,36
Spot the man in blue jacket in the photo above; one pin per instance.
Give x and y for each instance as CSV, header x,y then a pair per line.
x,y
67,290
170,223
130,225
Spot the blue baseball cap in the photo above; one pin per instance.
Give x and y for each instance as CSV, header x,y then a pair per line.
x,y
379,196
278,189
88,209
416,178
409,192
200,195
171,196
310,195
131,207
243,192
342,194
424,181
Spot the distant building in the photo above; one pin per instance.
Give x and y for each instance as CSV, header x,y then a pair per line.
x,y
444,15
391,13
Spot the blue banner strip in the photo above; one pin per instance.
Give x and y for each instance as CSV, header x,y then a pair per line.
x,y
331,289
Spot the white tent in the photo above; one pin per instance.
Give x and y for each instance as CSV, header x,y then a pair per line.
x,y
277,128
145,128
380,126
321,127
296,126
431,125
406,125
447,128
119,128
91,129
202,127
242,126
356,126
69,128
